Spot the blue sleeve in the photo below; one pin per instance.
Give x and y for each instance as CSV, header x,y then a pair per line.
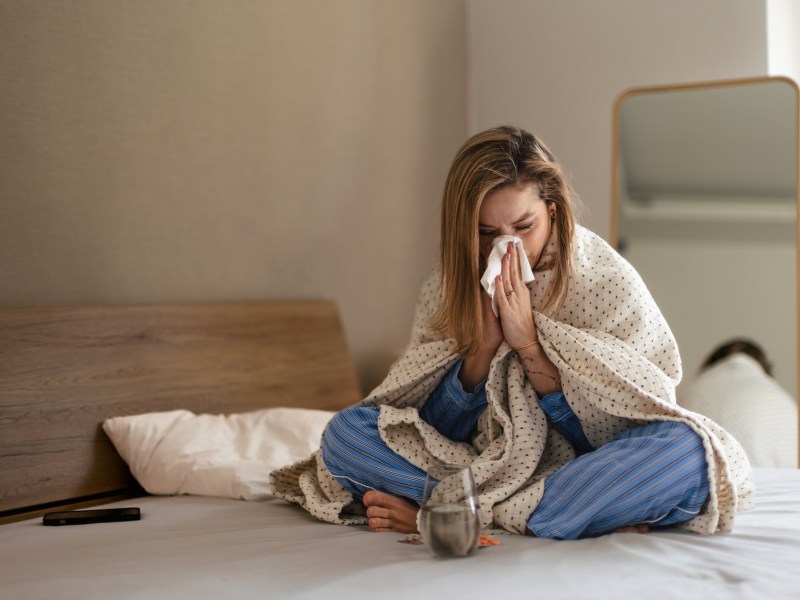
x,y
452,411
565,421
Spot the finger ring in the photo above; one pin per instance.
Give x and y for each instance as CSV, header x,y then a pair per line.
x,y
511,293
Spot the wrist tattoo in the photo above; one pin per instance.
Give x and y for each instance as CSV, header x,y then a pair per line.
x,y
556,380
531,372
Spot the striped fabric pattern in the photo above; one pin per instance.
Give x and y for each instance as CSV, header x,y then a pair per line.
x,y
654,474
359,459
565,421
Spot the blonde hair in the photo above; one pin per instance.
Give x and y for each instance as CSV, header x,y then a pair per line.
x,y
488,161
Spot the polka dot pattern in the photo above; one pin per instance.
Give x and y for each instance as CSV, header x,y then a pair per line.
x,y
619,366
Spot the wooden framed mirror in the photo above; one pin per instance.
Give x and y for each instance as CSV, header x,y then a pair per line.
x,y
705,186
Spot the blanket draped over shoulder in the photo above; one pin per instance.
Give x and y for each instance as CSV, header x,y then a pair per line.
x,y
619,366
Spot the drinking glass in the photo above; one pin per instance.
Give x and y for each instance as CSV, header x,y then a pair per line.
x,y
450,521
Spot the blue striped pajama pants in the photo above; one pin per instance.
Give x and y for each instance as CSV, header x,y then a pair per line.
x,y
654,473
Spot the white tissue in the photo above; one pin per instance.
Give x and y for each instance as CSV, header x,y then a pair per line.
x,y
494,264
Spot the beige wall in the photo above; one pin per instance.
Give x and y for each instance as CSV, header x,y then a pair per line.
x,y
241,150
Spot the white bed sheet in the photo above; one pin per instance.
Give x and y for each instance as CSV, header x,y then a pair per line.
x,y
199,547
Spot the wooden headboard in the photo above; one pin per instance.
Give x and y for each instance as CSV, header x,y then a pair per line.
x,y
64,370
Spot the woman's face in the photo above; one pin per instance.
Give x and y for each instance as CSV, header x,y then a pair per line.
x,y
517,211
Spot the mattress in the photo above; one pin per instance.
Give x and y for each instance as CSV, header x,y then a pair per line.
x,y
202,547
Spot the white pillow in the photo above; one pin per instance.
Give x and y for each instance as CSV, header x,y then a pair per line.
x,y
228,456
739,396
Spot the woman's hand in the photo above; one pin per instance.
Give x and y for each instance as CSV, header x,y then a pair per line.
x,y
514,302
475,367
519,328
492,331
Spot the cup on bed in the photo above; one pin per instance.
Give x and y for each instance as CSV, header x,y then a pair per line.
x,y
450,521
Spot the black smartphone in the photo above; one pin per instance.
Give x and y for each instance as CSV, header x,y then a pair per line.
x,y
100,515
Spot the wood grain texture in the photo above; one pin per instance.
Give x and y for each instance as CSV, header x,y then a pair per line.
x,y
64,370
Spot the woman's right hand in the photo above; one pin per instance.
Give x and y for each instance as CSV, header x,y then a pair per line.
x,y
492,329
475,367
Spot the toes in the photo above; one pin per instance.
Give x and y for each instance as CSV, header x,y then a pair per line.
x,y
378,511
374,498
389,513
639,528
628,529
380,524
378,498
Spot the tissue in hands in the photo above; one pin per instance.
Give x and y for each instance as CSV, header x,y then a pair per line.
x,y
494,265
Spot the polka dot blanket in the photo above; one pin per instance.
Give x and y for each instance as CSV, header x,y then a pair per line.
x,y
619,366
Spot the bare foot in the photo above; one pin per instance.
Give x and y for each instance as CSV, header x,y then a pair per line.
x,y
640,528
390,513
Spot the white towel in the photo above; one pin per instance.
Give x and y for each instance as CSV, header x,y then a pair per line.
x,y
494,264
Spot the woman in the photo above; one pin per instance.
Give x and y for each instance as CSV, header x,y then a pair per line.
x,y
563,402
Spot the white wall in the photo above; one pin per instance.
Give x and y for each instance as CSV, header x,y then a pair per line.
x,y
720,307
557,67
783,26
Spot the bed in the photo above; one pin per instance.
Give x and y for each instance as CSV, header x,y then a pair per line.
x,y
64,371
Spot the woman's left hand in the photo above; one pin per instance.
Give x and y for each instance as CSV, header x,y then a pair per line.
x,y
514,302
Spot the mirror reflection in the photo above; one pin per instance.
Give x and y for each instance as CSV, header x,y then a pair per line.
x,y
705,207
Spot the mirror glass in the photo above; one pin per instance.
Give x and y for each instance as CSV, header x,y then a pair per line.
x,y
705,207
